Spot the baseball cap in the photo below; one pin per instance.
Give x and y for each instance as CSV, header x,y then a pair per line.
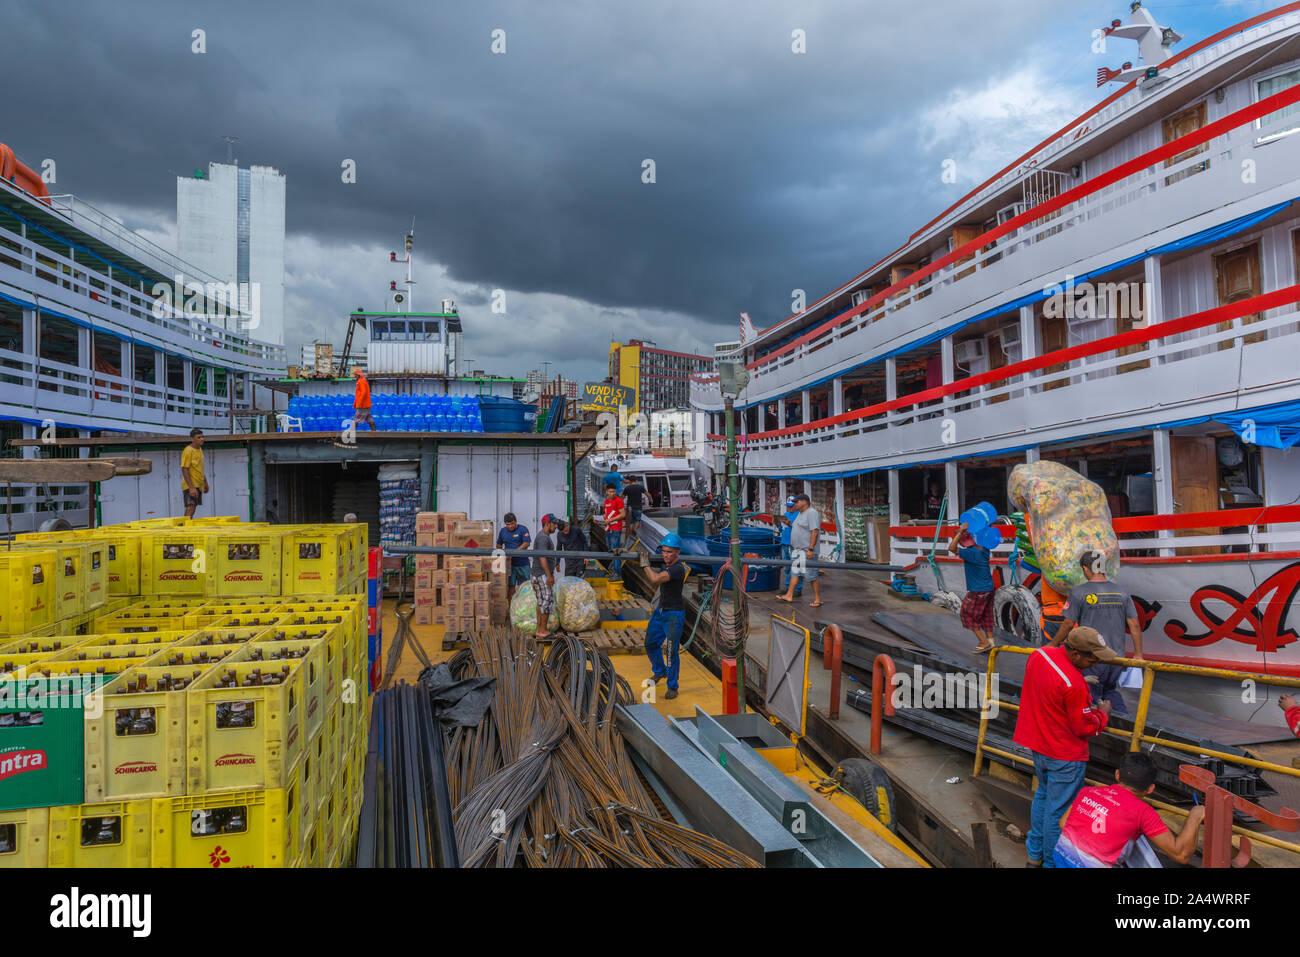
x,y
548,518
1090,642
790,501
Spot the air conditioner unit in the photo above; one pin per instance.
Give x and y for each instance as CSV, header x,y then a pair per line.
x,y
1010,212
969,352
1010,335
1090,307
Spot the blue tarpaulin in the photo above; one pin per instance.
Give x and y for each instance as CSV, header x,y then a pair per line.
x,y
1273,426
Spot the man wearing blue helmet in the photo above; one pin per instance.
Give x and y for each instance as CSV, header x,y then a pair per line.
x,y
669,619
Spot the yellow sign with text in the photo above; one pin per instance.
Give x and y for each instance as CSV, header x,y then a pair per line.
x,y
607,397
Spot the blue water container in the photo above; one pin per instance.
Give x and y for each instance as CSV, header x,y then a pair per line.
x,y
503,414
753,541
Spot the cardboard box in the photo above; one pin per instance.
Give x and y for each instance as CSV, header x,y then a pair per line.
x,y
438,615
481,591
424,581
458,576
423,615
439,577
451,594
465,608
481,622
424,539
427,563
427,522
449,519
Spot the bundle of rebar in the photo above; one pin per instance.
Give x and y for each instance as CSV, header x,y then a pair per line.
x,y
544,779
406,812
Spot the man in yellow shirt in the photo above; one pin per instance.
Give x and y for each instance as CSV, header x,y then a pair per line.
x,y
194,483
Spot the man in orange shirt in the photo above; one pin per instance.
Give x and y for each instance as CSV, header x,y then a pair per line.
x,y
361,403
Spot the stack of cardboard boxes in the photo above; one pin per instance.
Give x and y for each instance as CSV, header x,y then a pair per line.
x,y
461,592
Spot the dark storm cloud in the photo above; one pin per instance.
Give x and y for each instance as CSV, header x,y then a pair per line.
x,y
523,170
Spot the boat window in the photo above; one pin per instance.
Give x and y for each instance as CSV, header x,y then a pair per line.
x,y
378,331
1267,87
657,487
431,329
680,482
397,331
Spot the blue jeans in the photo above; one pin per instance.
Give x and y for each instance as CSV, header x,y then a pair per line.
x,y
613,539
1058,783
785,582
665,626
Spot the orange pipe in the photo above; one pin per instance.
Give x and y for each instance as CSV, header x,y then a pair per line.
x,y
832,659
12,170
882,675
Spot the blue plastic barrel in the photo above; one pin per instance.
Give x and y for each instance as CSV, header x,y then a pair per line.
x,y
753,541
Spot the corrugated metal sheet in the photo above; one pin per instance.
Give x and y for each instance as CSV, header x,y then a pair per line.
x,y
416,358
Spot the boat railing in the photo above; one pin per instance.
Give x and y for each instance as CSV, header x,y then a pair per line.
x,y
1252,325
41,385
844,341
98,294
1138,737
1269,530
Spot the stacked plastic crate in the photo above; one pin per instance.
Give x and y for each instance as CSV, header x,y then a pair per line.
x,y
210,730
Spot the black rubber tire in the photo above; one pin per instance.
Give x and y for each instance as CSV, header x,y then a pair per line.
x,y
869,785
1016,611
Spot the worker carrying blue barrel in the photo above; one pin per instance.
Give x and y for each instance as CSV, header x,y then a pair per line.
x,y
668,619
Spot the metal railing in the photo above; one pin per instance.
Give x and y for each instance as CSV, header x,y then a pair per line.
x,y
854,339
1138,736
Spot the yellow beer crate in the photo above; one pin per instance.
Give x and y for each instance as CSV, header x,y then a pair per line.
x,y
150,608
30,645
24,837
220,636
135,747
249,735
78,587
116,834
27,579
214,611
262,620
90,645
246,562
314,560
177,562
277,645
249,828
14,666
177,654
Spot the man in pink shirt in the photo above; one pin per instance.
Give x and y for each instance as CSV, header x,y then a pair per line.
x,y
1104,824
1055,721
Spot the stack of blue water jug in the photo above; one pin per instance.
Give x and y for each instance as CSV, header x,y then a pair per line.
x,y
392,413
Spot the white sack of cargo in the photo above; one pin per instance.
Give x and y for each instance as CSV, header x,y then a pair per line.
x,y
575,602
1065,514
523,611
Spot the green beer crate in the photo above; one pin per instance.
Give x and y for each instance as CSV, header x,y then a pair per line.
x,y
42,740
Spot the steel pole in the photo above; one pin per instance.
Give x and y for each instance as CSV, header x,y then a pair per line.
x,y
733,506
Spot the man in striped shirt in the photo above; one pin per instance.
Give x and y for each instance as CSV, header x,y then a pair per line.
x,y
1056,720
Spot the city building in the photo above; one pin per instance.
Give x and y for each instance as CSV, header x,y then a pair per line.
x,y
230,224
660,377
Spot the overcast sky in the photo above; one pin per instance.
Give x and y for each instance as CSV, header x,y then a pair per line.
x,y
774,170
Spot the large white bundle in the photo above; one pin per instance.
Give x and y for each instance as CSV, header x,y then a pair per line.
x,y
575,601
1065,514
523,610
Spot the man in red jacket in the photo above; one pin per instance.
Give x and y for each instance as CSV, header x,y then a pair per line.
x,y
1291,709
1056,720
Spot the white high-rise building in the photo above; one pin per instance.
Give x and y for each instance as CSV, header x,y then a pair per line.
x,y
231,224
